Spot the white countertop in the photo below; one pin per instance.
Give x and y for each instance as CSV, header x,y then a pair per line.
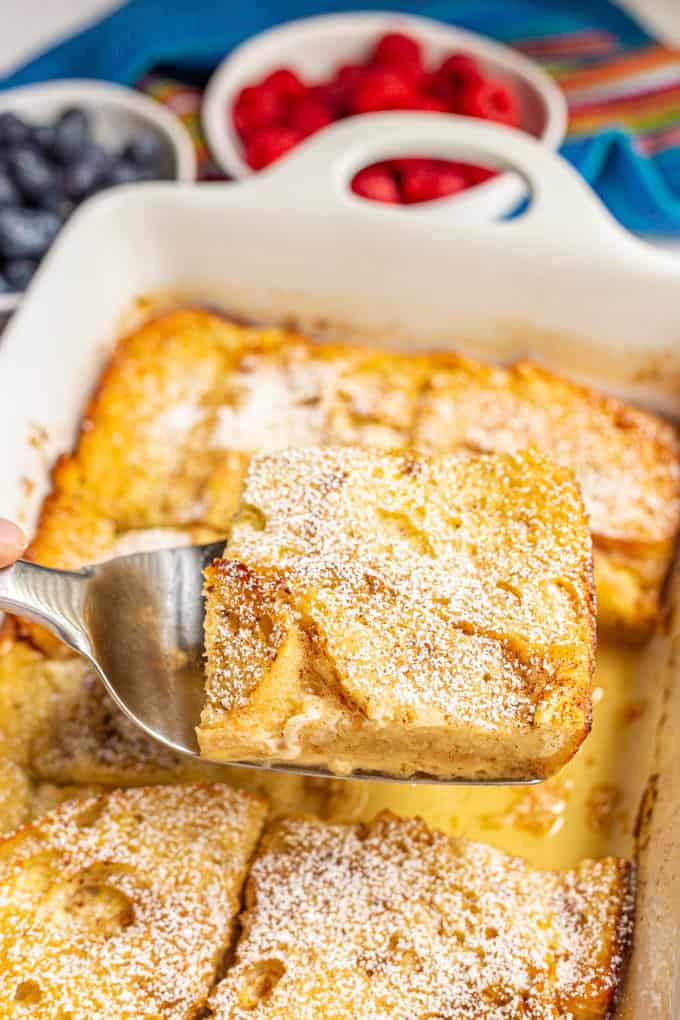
x,y
29,26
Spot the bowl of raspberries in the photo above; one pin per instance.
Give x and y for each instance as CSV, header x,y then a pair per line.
x,y
284,85
62,142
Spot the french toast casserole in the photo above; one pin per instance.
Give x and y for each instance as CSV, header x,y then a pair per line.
x,y
125,867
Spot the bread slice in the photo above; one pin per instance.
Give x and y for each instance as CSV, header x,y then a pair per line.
x,y
123,905
402,613
394,922
627,462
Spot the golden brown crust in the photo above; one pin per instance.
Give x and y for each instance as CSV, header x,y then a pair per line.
x,y
392,921
189,397
23,798
376,398
403,613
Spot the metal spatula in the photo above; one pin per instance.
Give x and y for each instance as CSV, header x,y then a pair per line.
x,y
139,621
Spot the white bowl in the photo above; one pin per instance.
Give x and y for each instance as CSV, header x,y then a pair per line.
x,y
316,46
116,112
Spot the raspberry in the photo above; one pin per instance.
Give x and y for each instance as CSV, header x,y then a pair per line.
x,y
309,115
286,84
349,74
490,100
342,87
418,170
402,163
269,144
396,48
332,96
476,174
377,183
423,183
256,106
382,90
454,74
433,103
407,70
399,52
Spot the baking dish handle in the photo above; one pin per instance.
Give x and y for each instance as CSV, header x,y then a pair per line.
x,y
562,205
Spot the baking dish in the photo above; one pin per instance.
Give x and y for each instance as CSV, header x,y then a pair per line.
x,y
563,283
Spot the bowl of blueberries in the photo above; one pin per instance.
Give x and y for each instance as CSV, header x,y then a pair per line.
x,y
60,143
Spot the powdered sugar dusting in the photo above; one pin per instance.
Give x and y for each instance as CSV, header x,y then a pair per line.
x,y
439,590
274,403
393,922
121,906
627,462
178,419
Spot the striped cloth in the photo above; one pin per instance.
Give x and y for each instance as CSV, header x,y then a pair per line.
x,y
607,86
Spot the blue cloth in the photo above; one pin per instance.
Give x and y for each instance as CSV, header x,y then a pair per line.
x,y
642,192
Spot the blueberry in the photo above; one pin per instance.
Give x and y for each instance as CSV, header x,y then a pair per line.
x,y
144,149
43,136
125,172
84,175
71,134
4,285
54,200
31,172
26,233
19,272
9,193
13,130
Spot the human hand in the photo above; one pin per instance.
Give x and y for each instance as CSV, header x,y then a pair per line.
x,y
12,542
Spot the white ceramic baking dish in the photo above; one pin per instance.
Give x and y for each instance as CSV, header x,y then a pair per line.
x,y
563,283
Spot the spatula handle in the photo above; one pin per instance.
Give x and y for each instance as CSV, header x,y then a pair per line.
x,y
53,598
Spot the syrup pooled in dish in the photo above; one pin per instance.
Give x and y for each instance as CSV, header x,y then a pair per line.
x,y
402,613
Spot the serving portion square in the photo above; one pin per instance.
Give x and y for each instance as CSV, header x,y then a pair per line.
x,y
123,905
401,613
394,922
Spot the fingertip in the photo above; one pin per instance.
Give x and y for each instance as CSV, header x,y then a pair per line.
x,y
12,542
